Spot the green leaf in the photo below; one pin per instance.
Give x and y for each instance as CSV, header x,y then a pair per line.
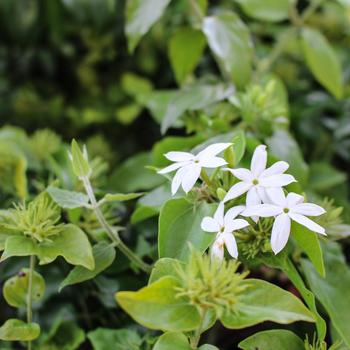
x,y
171,341
163,267
17,330
309,242
79,159
15,289
72,244
122,339
68,199
143,213
192,98
283,146
183,61
230,42
157,307
208,347
120,197
179,225
104,255
140,17
322,60
238,145
277,339
132,175
263,301
267,10
332,290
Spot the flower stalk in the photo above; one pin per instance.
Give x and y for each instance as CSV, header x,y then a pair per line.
x,y
30,294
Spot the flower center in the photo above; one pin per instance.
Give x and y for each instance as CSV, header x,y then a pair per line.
x,y
222,229
286,210
255,182
196,161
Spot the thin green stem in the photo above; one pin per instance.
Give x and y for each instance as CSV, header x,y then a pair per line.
x,y
197,335
196,9
205,178
311,9
112,234
30,294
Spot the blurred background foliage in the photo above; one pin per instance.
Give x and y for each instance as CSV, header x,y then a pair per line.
x,y
66,71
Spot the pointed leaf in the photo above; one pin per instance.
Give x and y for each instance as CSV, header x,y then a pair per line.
x,y
120,197
79,160
68,199
158,307
171,341
17,330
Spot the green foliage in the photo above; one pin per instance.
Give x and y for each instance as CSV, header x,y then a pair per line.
x,y
14,329
170,341
68,199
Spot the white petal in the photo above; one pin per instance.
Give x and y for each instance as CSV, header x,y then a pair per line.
x,y
277,196
170,168
275,169
308,209
253,197
263,210
293,199
231,244
259,159
276,180
232,213
190,177
179,156
177,179
235,225
242,174
219,214
263,195
237,190
212,162
311,225
217,250
209,224
280,233
213,150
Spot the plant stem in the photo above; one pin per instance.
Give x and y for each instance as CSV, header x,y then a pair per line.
x,y
197,335
205,178
30,294
196,9
311,9
113,235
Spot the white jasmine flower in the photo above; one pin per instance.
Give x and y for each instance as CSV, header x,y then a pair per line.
x,y
224,225
189,166
258,181
287,209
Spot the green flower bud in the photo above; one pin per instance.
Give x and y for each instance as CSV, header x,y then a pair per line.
x,y
80,161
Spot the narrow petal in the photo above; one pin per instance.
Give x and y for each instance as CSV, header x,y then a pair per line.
x,y
232,213
177,179
190,177
209,224
275,169
231,244
237,190
179,156
212,162
263,210
170,168
276,180
253,197
293,199
258,163
308,209
219,214
213,150
311,225
277,196
280,233
242,174
217,249
263,195
235,225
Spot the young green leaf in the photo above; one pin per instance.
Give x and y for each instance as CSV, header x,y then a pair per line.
x,y
158,307
229,40
17,330
183,61
72,244
179,225
263,301
68,199
120,197
163,267
276,339
267,10
170,341
15,289
104,255
140,17
322,60
79,159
